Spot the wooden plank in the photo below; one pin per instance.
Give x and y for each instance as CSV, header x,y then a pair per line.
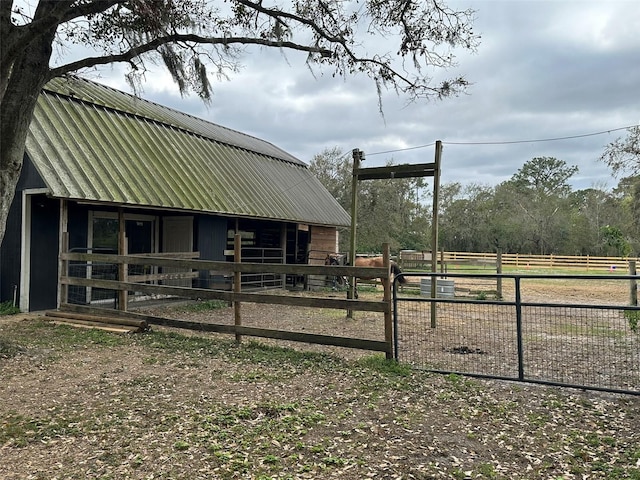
x,y
363,344
230,267
204,293
349,342
101,317
162,276
396,171
169,254
85,309
150,260
103,326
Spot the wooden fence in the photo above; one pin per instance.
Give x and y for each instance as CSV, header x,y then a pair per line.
x,y
125,284
586,263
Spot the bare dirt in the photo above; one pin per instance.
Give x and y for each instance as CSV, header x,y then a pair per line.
x,y
190,405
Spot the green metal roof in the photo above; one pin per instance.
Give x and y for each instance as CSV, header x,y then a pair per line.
x,y
97,144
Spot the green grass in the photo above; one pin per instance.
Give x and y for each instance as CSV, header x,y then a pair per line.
x,y
380,364
7,308
41,333
206,305
9,349
633,317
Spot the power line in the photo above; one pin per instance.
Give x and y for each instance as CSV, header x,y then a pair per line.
x,y
507,142
401,149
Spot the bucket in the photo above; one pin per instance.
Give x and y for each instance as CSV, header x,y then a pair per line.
x,y
444,288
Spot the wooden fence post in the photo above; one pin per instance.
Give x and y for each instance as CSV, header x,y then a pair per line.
x,y
358,156
123,249
499,271
388,318
64,271
237,279
633,284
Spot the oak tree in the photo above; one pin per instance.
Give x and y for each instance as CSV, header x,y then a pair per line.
x,y
397,43
623,154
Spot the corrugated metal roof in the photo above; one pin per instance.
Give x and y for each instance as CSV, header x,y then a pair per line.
x,y
94,143
101,95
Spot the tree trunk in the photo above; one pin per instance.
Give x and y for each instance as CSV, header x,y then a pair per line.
x,y
27,75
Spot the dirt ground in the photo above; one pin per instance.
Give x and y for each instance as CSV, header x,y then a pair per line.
x,y
191,405
577,346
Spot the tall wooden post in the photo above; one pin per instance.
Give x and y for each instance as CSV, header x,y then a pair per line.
x,y
123,295
386,285
434,229
499,272
237,279
633,287
63,246
283,245
358,156
63,291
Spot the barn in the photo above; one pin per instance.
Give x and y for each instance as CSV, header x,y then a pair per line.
x,y
98,160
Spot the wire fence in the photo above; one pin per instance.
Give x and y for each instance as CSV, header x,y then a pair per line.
x,y
578,331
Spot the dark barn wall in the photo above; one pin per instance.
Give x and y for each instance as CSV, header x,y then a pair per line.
x,y
211,237
211,241
10,253
78,226
45,221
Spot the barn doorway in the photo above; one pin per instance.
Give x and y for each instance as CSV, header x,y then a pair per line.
x,y
177,236
42,217
104,227
139,229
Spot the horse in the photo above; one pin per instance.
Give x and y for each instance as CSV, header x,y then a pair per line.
x,y
335,259
379,262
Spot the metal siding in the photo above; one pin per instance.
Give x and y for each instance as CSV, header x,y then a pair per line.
x,y
69,145
104,147
120,165
86,152
92,92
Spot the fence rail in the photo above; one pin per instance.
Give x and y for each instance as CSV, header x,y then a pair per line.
x,y
410,259
119,283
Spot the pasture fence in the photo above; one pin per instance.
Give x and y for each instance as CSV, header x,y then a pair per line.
x,y
449,261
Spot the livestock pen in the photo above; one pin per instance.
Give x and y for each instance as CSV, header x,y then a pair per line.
x,y
572,330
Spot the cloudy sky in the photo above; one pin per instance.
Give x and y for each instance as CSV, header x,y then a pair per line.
x,y
544,70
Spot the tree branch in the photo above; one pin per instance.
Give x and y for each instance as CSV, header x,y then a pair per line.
x,y
49,14
188,38
275,13
64,12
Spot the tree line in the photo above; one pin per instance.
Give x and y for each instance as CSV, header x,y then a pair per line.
x,y
536,211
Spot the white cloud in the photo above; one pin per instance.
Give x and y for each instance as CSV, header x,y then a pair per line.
x,y
544,69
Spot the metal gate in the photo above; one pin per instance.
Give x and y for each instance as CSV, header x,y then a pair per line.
x,y
569,330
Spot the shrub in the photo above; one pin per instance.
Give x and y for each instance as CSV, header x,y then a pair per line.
x,y
7,308
633,317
